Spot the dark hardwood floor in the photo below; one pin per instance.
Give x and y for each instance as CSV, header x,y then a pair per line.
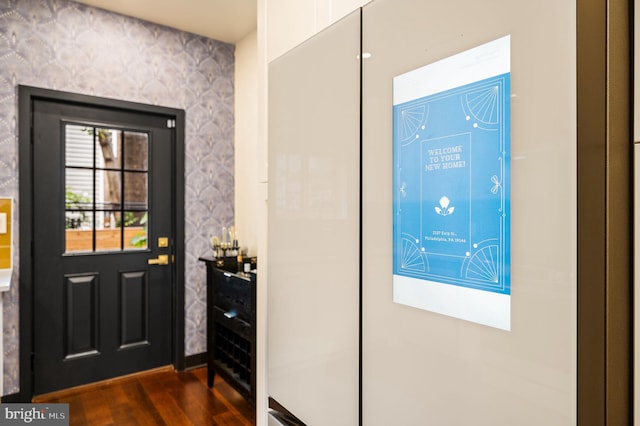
x,y
158,397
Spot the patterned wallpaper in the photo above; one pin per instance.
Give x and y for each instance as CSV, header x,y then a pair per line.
x,y
62,45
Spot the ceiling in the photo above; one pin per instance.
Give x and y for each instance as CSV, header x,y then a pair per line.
x,y
224,20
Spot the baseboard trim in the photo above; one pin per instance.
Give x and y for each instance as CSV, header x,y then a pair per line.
x,y
195,361
13,398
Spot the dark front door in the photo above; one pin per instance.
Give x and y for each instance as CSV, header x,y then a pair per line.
x,y
102,231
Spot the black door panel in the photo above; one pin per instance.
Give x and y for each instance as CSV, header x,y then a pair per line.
x,y
99,313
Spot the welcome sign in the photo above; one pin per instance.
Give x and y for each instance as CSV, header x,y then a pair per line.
x,y
451,138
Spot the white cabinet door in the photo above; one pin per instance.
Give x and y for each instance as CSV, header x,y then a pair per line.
x,y
314,225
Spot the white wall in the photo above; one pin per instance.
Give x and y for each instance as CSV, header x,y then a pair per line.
x,y
250,177
246,142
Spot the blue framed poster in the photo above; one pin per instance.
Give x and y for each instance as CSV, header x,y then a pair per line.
x,y
451,138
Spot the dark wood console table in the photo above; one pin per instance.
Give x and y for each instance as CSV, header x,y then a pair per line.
x,y
231,331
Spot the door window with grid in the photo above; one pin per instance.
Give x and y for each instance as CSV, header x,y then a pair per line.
x,y
106,189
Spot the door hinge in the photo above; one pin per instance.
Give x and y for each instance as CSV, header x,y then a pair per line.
x,y
171,124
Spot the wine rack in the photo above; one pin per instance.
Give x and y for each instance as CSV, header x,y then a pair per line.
x,y
231,313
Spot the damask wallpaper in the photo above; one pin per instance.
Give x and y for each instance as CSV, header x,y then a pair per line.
x,y
67,46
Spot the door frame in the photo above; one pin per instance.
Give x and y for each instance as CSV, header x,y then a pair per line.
x,y
26,97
